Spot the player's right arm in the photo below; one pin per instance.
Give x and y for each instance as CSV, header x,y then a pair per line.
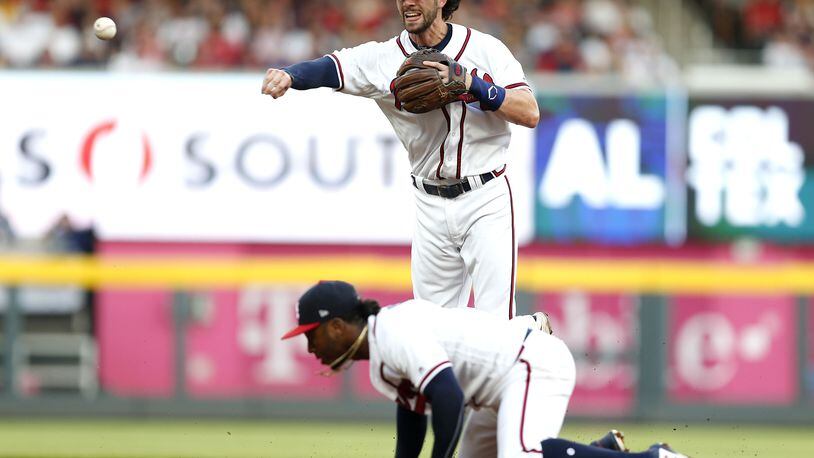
x,y
355,71
411,428
304,75
445,396
447,401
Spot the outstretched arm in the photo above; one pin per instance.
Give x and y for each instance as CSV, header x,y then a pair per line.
x,y
447,400
304,75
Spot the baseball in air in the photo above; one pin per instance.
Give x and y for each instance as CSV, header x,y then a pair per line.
x,y
104,28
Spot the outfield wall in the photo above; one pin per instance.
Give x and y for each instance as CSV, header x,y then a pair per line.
x,y
192,329
668,232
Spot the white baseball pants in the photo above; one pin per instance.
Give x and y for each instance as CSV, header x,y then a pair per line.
x,y
534,397
464,243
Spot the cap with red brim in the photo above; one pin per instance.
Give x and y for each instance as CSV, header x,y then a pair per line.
x,y
301,329
324,301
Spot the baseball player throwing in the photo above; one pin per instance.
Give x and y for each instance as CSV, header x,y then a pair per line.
x,y
464,237
425,357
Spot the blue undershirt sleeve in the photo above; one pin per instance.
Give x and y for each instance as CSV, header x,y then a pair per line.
x,y
411,428
312,74
447,400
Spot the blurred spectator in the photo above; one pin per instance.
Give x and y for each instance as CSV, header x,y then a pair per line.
x,y
563,56
25,33
604,17
783,51
597,36
551,35
64,237
7,236
726,22
761,19
782,30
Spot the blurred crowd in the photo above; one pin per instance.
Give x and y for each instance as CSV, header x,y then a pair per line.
x,y
781,31
547,35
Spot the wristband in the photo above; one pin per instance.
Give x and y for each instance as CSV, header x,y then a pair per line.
x,y
489,95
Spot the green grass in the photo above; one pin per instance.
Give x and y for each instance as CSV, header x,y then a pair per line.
x,y
143,438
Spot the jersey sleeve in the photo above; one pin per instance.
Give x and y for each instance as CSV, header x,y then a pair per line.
x,y
359,70
506,70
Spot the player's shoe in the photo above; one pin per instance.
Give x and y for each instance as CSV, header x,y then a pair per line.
x,y
614,440
664,451
542,322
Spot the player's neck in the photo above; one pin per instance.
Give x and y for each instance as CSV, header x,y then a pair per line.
x,y
433,35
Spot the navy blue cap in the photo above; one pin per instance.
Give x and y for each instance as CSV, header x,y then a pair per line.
x,y
323,301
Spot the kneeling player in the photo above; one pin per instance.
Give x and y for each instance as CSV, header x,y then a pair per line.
x,y
517,379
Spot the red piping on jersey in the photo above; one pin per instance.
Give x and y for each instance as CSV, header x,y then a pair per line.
x,y
499,172
514,261
381,372
512,86
429,373
420,402
466,42
522,347
341,74
441,163
401,46
461,140
523,412
395,387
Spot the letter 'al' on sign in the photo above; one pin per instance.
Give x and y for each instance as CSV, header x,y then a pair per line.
x,y
577,169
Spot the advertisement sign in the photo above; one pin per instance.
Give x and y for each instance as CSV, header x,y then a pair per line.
x,y
810,339
732,350
600,330
133,153
751,169
232,345
601,169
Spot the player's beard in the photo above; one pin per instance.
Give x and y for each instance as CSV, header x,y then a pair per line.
x,y
428,17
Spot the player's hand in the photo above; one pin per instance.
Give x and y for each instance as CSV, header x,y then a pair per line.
x,y
276,83
444,71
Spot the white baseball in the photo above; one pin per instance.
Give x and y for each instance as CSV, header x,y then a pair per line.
x,y
104,28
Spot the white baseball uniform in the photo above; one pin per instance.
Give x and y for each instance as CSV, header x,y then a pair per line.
x,y
518,380
470,237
